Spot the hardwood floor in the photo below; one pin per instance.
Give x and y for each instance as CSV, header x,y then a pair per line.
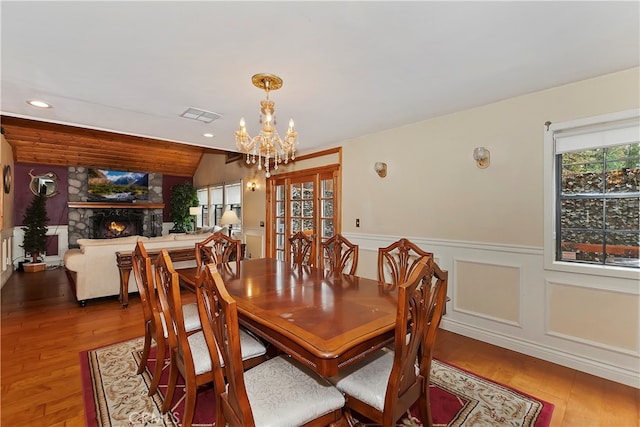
x,y
44,330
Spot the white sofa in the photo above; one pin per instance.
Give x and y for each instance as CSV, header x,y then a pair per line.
x,y
92,267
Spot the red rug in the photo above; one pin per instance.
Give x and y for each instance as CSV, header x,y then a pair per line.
x,y
115,395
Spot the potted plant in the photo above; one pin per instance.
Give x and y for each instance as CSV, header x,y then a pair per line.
x,y
35,227
183,196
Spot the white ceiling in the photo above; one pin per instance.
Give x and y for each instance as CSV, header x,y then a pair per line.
x,y
349,68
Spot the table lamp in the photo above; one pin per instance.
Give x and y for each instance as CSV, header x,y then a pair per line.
x,y
229,218
195,211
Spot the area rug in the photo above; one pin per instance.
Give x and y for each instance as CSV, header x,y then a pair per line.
x,y
114,395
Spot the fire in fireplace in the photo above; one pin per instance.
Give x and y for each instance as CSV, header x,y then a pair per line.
x,y
111,224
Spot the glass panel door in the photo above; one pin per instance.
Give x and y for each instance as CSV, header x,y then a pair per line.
x,y
302,201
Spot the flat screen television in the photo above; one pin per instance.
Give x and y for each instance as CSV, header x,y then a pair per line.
x,y
117,186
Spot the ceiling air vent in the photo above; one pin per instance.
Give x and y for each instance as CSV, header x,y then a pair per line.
x,y
200,115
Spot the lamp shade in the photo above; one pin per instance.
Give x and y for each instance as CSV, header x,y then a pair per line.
x,y
194,210
229,217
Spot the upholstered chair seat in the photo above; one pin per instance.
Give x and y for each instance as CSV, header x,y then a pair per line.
x,y
368,379
249,346
307,395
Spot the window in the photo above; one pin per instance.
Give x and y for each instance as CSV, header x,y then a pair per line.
x,y
215,199
596,192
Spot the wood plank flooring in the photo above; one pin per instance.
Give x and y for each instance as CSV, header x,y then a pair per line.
x,y
44,330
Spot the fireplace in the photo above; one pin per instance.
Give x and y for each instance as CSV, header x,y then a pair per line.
x,y
115,223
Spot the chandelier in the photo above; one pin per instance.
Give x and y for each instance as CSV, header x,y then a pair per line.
x,y
267,147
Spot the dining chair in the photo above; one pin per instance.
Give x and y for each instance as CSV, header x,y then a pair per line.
x,y
385,385
303,248
397,261
339,255
188,350
155,325
278,392
218,248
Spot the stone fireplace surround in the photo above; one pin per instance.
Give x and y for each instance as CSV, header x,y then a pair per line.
x,y
81,213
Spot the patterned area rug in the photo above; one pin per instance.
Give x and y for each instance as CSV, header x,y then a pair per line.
x,y
116,396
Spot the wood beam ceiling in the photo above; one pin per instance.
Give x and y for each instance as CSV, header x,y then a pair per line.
x,y
54,144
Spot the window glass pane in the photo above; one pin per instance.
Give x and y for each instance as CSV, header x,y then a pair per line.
x,y
307,224
622,248
623,213
581,213
327,188
582,246
280,192
296,191
216,195
295,225
307,209
327,228
296,209
279,209
280,241
603,227
233,192
307,190
280,225
589,178
203,196
327,208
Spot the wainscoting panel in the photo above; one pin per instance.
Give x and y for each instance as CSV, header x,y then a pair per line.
x,y
6,255
576,313
51,259
501,294
477,280
255,240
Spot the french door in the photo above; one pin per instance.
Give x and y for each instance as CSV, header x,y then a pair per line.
x,y
305,201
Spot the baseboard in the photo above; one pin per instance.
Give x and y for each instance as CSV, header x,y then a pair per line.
x,y
573,361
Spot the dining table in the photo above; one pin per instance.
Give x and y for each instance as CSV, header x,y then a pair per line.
x,y
326,321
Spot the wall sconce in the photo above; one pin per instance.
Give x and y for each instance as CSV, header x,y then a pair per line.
x,y
251,186
482,156
381,169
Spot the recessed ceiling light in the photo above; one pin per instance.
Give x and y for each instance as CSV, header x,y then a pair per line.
x,y
208,135
38,103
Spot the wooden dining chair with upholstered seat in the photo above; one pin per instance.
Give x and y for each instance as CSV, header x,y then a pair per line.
x,y
397,261
155,326
339,255
303,248
384,386
188,350
218,248
278,392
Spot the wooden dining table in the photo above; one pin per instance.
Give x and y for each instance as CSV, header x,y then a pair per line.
x,y
322,320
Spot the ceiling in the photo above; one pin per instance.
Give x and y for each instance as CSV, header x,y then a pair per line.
x,y
349,68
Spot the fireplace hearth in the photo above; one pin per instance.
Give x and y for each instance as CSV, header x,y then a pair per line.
x,y
115,223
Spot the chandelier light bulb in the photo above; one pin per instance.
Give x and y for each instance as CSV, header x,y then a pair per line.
x,y
268,148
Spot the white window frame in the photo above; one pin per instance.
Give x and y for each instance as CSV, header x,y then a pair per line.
x,y
210,207
584,127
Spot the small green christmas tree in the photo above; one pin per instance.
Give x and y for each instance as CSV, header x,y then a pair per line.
x,y
35,229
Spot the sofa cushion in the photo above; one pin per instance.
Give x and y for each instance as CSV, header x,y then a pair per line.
x,y
104,242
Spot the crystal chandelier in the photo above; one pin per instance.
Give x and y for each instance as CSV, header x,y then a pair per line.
x,y
267,147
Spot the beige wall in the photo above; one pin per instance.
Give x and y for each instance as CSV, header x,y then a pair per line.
x,y
445,195
6,239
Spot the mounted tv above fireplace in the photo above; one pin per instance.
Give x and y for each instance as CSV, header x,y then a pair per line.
x,y
117,186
